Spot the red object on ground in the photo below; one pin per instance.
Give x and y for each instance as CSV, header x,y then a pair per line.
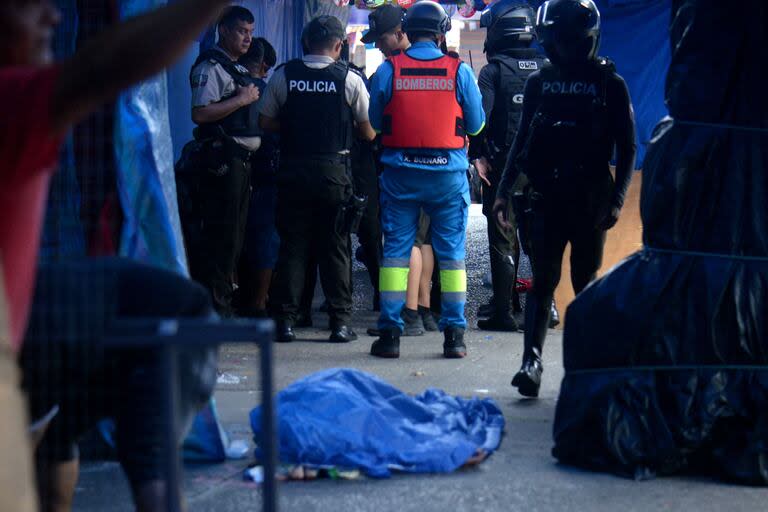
x,y
29,152
524,285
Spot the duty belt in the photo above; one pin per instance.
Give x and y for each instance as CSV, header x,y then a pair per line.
x,y
325,157
235,150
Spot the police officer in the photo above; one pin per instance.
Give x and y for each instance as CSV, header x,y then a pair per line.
x,y
576,112
315,104
424,103
223,97
510,33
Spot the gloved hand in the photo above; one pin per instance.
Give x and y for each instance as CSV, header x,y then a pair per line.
x,y
500,213
608,217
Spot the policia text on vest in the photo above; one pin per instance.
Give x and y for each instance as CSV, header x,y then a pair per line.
x,y
315,103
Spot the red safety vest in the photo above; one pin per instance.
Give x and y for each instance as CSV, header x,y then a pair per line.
x,y
424,111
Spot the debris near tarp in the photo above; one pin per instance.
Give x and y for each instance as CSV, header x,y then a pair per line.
x,y
346,418
666,357
228,378
237,449
297,472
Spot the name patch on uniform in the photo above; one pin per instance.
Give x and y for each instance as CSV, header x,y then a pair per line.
x,y
199,80
528,65
424,84
569,88
433,160
312,86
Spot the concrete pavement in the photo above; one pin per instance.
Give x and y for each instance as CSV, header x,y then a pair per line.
x,y
521,475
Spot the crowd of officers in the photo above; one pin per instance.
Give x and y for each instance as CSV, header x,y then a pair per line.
x,y
279,175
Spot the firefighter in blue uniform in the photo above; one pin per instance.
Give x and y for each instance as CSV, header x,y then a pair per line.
x,y
424,103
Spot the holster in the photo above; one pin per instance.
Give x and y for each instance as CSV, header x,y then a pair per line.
x,y
522,205
351,213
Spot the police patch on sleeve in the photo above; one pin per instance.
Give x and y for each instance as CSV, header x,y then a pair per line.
x,y
528,65
199,80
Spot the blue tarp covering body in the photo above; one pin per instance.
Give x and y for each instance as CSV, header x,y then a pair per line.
x,y
351,419
666,357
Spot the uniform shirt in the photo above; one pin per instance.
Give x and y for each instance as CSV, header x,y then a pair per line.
x,y
211,83
620,117
354,90
29,150
467,94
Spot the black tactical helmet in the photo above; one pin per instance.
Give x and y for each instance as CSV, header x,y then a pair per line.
x,y
569,30
426,16
508,24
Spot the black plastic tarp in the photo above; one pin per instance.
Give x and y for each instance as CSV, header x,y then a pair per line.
x,y
666,357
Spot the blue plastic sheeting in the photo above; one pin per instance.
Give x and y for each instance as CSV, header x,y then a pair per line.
x,y
635,36
351,419
63,236
145,178
666,356
280,22
206,441
147,187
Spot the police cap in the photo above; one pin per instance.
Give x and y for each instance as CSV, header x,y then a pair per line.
x,y
323,28
382,20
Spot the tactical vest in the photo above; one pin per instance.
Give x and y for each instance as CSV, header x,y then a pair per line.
x,y
569,138
243,122
508,103
424,111
316,118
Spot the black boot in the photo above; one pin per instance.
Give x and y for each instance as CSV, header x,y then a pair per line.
x,y
503,273
388,344
428,319
453,346
554,316
413,323
528,379
284,332
342,334
487,309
